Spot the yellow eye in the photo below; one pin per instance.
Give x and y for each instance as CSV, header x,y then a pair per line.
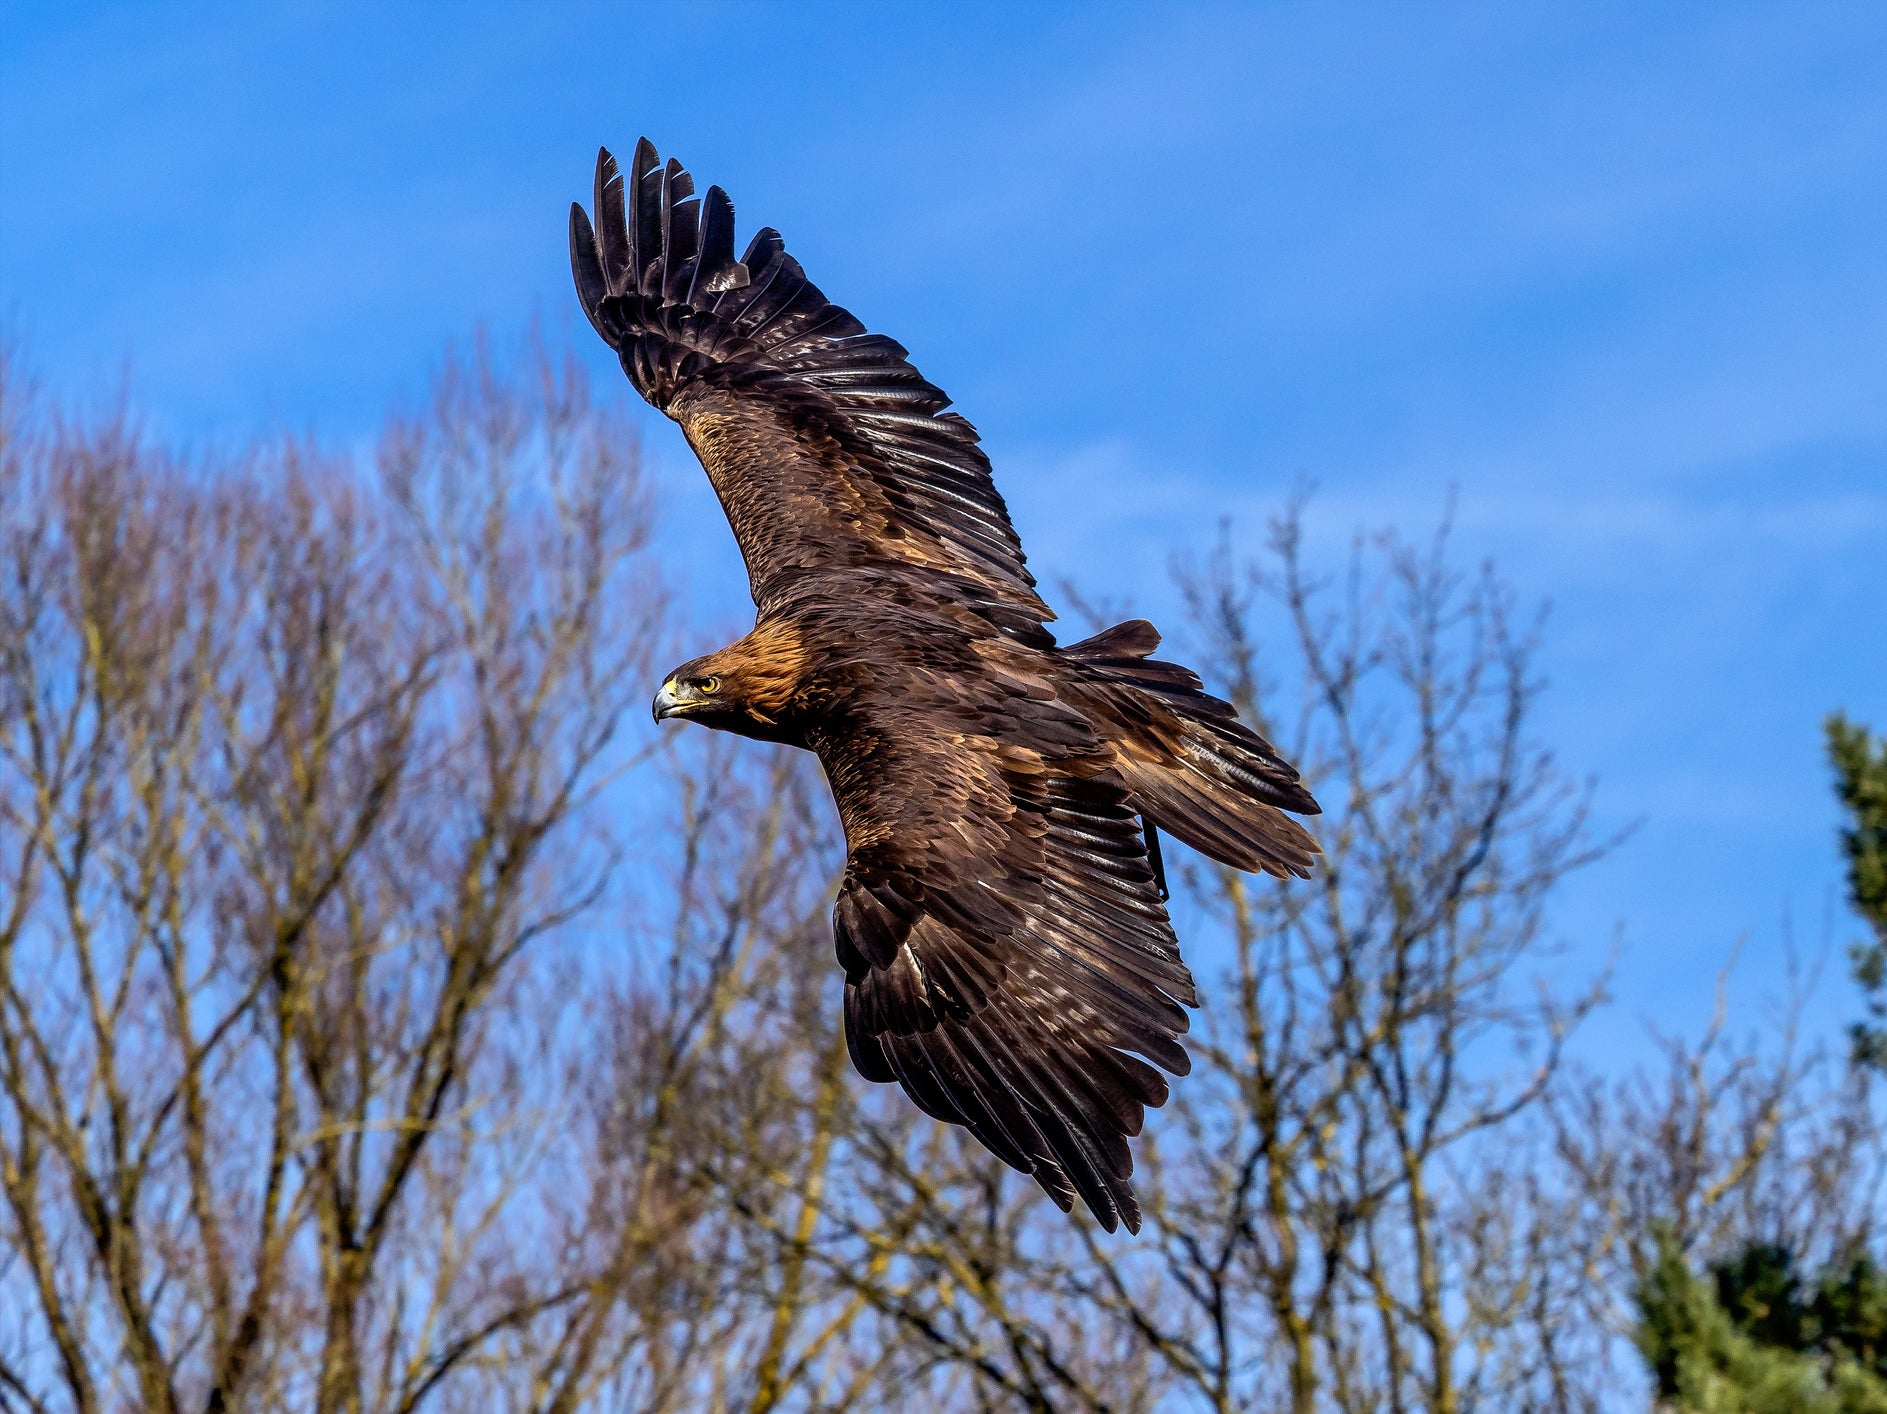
x,y
709,686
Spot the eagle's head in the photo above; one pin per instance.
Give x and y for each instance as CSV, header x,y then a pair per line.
x,y
692,690
746,688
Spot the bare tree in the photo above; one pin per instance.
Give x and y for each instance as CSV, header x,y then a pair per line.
x,y
1328,1223
293,768
1378,1041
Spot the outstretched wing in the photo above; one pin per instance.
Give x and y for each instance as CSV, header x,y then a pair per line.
x,y
1008,959
829,451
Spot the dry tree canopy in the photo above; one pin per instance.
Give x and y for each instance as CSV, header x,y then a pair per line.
x,y
295,760
389,1022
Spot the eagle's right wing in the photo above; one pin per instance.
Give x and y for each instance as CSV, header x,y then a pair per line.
x,y
827,448
1008,959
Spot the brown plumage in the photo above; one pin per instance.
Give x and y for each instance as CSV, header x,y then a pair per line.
x,y
1001,922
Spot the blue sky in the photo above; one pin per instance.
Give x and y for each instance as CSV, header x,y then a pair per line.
x,y
1615,275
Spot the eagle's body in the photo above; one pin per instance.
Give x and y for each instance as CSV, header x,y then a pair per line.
x,y
1001,920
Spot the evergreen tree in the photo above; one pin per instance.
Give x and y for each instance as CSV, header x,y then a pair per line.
x,y
1755,1334
1860,762
1755,1340
1850,1314
1761,1291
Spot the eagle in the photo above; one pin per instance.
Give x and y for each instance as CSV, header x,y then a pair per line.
x,y
1001,919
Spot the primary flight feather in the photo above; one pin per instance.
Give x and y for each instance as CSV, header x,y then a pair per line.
x,y
1001,920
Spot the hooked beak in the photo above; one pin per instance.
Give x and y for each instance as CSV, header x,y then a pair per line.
x,y
667,702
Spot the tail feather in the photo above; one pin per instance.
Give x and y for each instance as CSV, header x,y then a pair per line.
x,y
1196,771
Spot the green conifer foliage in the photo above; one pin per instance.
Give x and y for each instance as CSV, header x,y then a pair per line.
x,y
1860,762
1756,1339
1756,1334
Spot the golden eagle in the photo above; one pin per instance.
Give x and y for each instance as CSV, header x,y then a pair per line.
x,y
1001,920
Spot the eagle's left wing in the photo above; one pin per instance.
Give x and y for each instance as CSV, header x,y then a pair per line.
x,y
1008,959
829,451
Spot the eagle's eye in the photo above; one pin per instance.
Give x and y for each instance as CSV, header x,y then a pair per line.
x,y
707,687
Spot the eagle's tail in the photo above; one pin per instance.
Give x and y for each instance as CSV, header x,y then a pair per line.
x,y
1196,771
